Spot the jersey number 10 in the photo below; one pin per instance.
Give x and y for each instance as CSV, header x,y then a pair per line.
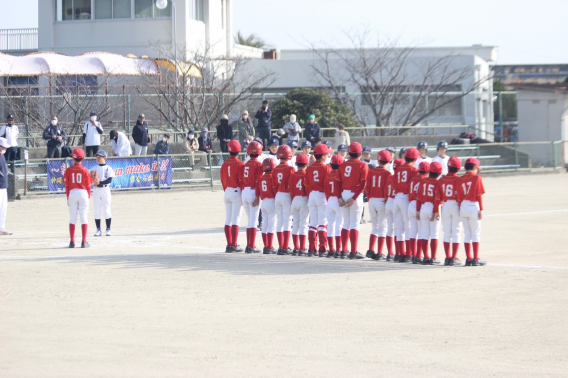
x,y
77,178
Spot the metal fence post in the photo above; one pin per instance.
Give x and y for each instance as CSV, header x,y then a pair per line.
x,y
25,176
516,157
158,168
554,154
14,180
211,169
128,113
500,97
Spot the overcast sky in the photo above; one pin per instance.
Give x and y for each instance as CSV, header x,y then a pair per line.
x,y
524,31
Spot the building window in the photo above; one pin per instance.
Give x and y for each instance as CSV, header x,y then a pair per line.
x,y
107,9
21,85
148,9
197,10
73,10
67,10
223,14
76,84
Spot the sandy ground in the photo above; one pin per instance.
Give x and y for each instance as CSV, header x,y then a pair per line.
x,y
159,298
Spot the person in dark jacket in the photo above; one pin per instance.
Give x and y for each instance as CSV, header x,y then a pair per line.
x,y
140,136
263,115
204,141
55,137
313,130
224,133
163,146
4,145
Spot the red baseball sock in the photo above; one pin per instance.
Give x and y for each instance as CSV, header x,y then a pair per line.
x,y
303,242
72,232
388,240
467,247
354,238
286,237
322,236
381,244
312,239
234,234
408,248
344,239
396,247
296,240
455,248
253,237
413,247
338,244
280,237
447,250
425,249
434,247
248,237
402,250
330,244
269,239
84,232
264,240
372,242
475,250
228,235
419,248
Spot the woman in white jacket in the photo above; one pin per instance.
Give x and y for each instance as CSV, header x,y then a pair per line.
x,y
341,136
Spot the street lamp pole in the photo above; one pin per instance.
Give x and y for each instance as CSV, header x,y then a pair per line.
x,y
162,4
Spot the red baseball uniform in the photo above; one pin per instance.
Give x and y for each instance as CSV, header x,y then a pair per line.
x,y
391,192
377,185
281,177
315,176
470,188
402,177
251,173
446,189
297,184
231,173
332,185
414,184
426,192
264,188
77,177
353,174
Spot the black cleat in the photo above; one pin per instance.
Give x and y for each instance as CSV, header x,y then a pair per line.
x,y
265,251
343,255
418,260
355,256
248,249
302,253
336,255
396,258
330,254
370,254
288,251
390,257
468,262
282,252
322,254
478,263
447,261
427,262
401,259
455,262
85,245
272,251
312,253
295,252
229,249
237,249
378,256
435,262
255,250
71,244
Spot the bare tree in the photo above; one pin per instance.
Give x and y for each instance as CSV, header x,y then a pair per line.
x,y
394,85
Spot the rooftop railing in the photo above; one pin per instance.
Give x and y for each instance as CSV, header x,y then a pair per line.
x,y
18,39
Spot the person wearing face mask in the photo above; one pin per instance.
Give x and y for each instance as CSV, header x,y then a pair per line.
x,y
191,147
246,129
140,136
224,133
204,141
293,129
313,130
4,145
55,137
10,132
341,136
163,146
92,135
120,143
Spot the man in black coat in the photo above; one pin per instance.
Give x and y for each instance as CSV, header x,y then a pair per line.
x,y
55,137
263,115
224,133
140,136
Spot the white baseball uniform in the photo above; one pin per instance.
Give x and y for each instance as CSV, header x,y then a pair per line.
x,y
102,196
334,217
78,202
300,212
248,197
469,213
268,216
443,161
420,160
233,206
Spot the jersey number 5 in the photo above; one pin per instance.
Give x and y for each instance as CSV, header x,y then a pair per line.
x,y
246,172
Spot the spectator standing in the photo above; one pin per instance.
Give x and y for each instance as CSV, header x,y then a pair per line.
x,y
191,147
341,136
245,129
293,129
313,130
92,135
224,133
10,132
140,136
55,137
163,146
4,146
120,144
264,115
514,133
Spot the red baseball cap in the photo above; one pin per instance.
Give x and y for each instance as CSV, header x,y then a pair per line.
x,y
302,159
412,153
254,148
355,148
78,154
337,159
268,164
234,146
397,163
424,166
384,155
473,161
435,167
321,149
454,162
284,152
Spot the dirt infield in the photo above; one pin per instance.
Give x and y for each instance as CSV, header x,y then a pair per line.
x,y
159,298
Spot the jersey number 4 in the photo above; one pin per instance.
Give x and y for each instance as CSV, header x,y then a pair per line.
x,y
299,185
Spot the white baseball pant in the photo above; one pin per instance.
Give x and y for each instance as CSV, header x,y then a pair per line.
x,y
352,214
78,202
268,216
428,229
334,217
140,150
300,214
248,197
389,215
102,199
378,217
233,206
3,208
469,213
283,204
317,204
414,229
451,222
401,223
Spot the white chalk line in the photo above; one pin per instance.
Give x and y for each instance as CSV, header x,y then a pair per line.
x,y
526,213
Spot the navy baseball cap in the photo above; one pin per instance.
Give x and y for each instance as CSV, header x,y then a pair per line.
x,y
328,143
274,141
10,116
190,131
342,148
259,140
390,149
293,144
367,150
306,143
102,153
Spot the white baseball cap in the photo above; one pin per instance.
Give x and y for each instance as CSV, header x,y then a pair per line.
x,y
4,143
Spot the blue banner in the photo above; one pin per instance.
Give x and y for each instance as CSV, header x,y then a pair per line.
x,y
132,172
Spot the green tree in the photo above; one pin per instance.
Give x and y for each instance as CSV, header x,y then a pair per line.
x,y
305,101
509,102
252,41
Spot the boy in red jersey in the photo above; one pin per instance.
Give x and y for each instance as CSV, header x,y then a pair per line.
x,y
333,212
389,208
251,173
470,192
77,180
231,181
429,225
447,193
377,191
283,202
317,202
353,175
299,209
416,248
265,191
402,178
